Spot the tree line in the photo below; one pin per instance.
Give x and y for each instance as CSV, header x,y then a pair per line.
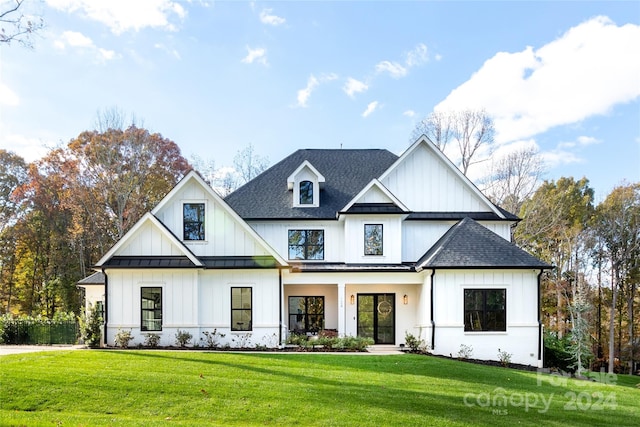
x,y
60,214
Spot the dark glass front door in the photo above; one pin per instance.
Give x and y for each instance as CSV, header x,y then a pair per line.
x,y
376,317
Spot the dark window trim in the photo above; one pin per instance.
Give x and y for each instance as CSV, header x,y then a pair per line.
x,y
152,310
306,247
200,224
305,197
304,317
484,320
242,328
381,240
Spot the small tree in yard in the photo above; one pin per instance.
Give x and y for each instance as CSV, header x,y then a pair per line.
x,y
580,339
91,327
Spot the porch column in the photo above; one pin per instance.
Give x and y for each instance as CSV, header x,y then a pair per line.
x,y
341,310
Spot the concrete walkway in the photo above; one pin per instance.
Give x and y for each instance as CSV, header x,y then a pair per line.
x,y
18,349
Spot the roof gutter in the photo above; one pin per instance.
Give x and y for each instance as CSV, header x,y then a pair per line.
x,y
433,323
540,340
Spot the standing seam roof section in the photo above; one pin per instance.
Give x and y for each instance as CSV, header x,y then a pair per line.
x,y
346,173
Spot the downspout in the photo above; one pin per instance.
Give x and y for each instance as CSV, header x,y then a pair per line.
x,y
433,323
280,306
106,306
540,343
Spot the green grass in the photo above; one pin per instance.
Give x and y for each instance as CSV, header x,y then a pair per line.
x,y
139,388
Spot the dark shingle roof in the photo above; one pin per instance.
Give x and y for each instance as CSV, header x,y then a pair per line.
x,y
471,245
346,173
96,278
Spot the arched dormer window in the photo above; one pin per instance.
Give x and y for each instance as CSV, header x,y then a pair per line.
x,y
306,193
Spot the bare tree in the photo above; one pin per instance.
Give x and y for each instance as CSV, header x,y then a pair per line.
x,y
16,25
248,164
470,129
514,178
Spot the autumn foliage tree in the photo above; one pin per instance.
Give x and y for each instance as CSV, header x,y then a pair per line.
x,y
74,204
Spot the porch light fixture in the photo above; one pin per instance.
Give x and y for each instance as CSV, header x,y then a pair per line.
x,y
405,299
352,299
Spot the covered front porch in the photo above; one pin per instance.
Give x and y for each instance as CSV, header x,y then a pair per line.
x,y
361,306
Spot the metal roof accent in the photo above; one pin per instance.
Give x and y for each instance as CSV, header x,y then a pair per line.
x,y
310,267
230,262
149,262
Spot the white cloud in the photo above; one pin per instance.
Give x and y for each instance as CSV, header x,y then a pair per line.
x,y
409,113
394,69
172,52
79,41
418,56
585,72
125,15
29,148
255,55
267,18
312,84
370,108
8,97
588,140
304,94
353,86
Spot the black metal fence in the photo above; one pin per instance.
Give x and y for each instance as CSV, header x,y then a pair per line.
x,y
18,331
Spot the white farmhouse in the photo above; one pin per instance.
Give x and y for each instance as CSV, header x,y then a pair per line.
x,y
359,241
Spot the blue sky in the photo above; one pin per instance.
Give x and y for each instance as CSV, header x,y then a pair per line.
x,y
217,76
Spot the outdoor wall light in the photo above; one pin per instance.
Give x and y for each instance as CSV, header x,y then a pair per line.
x,y
405,299
352,299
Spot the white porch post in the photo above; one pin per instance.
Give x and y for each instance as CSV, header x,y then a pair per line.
x,y
341,310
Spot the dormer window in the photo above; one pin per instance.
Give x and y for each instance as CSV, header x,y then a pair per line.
x,y
305,184
306,193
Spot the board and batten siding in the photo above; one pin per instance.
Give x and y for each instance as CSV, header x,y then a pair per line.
x,y
521,337
224,235
424,183
276,234
194,301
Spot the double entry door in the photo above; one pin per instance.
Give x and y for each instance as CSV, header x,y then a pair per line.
x,y
376,317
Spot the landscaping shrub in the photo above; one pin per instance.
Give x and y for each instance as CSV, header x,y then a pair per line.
x,y
152,340
556,352
183,338
123,338
91,328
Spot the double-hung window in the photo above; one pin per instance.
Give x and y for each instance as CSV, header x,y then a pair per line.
x,y
151,309
241,309
485,310
193,221
306,244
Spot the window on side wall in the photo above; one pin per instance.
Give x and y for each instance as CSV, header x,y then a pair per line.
x,y
306,314
306,193
485,310
241,309
193,221
373,239
306,244
151,306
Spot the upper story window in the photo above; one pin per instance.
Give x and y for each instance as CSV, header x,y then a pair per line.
x,y
306,244
485,310
193,221
373,239
306,193
305,184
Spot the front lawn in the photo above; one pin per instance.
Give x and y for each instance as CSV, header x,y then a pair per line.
x,y
129,388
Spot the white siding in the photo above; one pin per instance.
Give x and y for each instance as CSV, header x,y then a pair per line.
x,y
276,234
521,336
424,183
391,239
195,301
